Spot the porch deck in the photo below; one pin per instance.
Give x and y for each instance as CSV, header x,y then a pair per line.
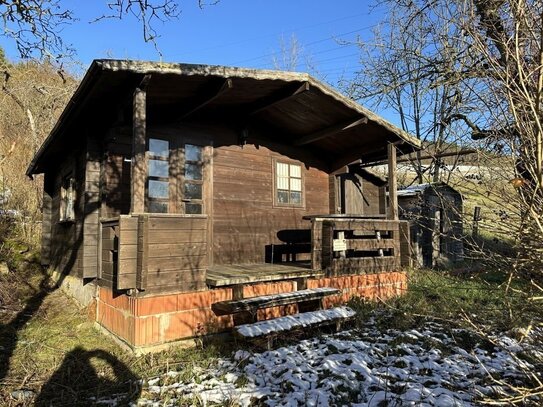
x,y
232,274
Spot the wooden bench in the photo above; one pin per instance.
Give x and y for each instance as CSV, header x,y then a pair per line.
x,y
267,331
254,303
295,241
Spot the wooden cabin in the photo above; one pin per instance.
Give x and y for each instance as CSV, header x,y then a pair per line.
x,y
434,212
169,188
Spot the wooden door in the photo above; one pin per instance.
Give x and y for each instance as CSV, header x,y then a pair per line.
x,y
351,194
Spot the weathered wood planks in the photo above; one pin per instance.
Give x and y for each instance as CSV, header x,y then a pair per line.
x,y
370,245
160,253
255,303
245,219
224,275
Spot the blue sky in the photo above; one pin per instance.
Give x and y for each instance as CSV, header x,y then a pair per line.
x,y
234,32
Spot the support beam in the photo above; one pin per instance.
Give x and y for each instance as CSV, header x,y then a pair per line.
x,y
329,131
354,156
279,97
225,87
410,159
139,163
392,183
125,100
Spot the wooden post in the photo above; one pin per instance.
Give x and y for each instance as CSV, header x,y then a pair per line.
x,y
142,252
139,163
436,238
316,244
392,184
476,219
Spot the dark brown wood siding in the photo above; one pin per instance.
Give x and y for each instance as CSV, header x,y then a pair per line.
x,y
47,214
238,191
177,253
116,172
66,252
109,254
155,253
360,196
244,217
91,209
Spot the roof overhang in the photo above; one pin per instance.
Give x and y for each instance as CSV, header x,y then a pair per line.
x,y
289,108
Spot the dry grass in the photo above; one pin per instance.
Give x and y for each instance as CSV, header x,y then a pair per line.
x,y
50,348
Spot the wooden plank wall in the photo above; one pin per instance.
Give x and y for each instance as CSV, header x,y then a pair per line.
x,y
244,218
238,197
177,255
116,173
160,253
128,249
374,195
67,238
363,197
406,254
91,211
46,225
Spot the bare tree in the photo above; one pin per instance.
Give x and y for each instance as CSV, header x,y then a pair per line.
x,y
289,53
471,72
464,70
32,95
35,26
401,70
508,37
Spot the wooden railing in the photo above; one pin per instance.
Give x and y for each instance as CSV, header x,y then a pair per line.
x,y
354,246
109,255
154,252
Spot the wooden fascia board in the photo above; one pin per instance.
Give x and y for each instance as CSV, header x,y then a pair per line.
x,y
329,131
75,105
225,87
279,97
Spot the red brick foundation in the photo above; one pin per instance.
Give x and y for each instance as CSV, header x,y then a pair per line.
x,y
150,321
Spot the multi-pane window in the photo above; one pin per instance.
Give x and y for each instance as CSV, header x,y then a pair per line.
x,y
288,184
193,185
158,183
67,198
175,177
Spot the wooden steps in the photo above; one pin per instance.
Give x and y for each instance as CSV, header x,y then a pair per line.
x,y
253,304
271,329
308,302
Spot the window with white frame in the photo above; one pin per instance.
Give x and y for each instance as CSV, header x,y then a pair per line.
x,y
67,198
288,184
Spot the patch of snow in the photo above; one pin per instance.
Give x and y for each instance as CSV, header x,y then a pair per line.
x,y
368,366
292,321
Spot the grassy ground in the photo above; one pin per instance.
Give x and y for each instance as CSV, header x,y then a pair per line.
x,y
50,354
463,298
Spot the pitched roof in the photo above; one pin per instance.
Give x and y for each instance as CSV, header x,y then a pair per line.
x,y
292,108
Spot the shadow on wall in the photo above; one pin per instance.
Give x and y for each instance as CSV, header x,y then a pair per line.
x,y
77,381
